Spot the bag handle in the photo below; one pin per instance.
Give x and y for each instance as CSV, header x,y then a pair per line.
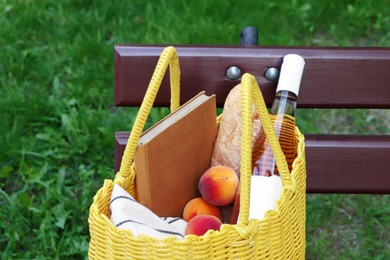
x,y
250,92
169,57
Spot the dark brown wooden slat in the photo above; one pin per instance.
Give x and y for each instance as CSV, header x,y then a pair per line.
x,y
333,77
335,163
348,164
120,145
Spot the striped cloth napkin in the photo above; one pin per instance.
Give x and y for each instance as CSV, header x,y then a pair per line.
x,y
127,213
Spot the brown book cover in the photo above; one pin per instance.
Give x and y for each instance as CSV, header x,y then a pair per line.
x,y
173,154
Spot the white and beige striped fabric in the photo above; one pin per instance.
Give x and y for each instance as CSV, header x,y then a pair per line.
x,y
127,213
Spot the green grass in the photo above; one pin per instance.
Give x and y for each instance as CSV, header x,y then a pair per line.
x,y
57,119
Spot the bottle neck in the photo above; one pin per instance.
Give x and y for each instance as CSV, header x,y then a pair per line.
x,y
285,102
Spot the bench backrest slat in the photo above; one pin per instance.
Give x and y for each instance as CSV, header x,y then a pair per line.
x,y
335,163
333,77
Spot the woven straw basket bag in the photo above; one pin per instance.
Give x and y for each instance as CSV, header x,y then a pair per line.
x,y
279,235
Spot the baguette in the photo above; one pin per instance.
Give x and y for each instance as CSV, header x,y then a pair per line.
x,y
227,147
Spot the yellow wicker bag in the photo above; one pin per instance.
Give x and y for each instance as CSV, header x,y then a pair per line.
x,y
280,235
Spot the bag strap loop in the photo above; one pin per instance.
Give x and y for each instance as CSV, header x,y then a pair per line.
x,y
169,57
250,92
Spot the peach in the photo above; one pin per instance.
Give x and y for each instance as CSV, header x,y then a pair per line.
x,y
199,206
218,185
200,224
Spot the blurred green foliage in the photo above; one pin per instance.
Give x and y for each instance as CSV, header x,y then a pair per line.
x,y
57,119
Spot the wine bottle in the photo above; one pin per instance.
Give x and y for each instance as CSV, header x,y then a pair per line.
x,y
283,116
266,184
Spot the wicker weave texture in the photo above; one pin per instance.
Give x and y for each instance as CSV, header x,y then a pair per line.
x,y
279,235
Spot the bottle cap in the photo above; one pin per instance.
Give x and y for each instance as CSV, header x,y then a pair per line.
x,y
291,73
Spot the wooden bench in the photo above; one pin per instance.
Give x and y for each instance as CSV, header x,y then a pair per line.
x,y
333,78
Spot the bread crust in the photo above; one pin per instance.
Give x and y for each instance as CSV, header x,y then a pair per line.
x,y
227,148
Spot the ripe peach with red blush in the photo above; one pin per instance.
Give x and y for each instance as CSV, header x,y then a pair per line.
x,y
200,224
218,185
199,206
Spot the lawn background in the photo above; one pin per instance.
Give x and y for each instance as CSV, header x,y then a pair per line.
x,y
57,119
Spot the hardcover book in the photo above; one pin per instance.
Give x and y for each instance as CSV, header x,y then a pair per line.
x,y
172,155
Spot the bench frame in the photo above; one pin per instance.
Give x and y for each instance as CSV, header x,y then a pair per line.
x,y
333,78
